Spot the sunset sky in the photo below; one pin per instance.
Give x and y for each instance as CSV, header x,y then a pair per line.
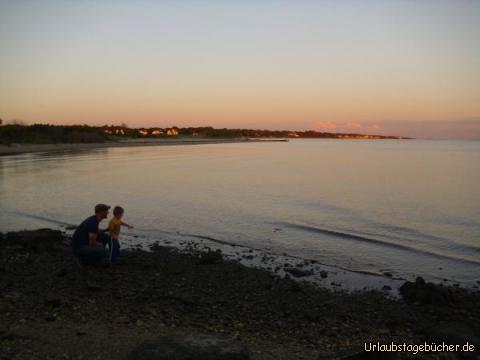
x,y
407,68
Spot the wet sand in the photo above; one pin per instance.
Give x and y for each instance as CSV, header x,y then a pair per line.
x,y
31,148
50,307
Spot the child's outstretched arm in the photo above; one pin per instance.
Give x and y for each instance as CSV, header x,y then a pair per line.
x,y
128,226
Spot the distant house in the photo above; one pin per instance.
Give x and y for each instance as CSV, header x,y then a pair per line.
x,y
143,132
157,132
119,132
172,132
293,134
106,131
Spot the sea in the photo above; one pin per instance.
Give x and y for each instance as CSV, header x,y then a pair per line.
x,y
385,208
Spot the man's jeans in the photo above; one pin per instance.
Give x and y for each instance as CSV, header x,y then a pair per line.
x,y
90,254
93,254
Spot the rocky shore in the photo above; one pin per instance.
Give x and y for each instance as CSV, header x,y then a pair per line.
x,y
164,301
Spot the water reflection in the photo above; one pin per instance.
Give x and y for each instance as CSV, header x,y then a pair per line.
x,y
414,194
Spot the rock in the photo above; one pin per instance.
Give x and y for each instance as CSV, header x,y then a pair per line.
x,y
295,287
425,293
323,274
13,295
191,347
53,300
358,354
34,240
311,315
93,287
298,272
122,320
62,272
386,288
156,247
452,333
210,257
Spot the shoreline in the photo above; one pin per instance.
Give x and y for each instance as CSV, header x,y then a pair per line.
x,y
17,149
49,300
327,276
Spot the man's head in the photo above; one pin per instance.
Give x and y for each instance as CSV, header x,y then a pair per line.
x,y
101,211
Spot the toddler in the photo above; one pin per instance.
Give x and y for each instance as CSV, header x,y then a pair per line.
x,y
114,229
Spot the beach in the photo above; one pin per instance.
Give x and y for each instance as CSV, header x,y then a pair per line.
x,y
51,307
15,149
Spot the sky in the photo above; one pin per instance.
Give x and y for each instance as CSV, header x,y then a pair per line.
x,y
409,68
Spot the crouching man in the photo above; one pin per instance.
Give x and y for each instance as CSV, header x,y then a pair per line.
x,y
88,242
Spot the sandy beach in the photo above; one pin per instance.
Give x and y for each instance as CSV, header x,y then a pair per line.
x,y
31,148
53,308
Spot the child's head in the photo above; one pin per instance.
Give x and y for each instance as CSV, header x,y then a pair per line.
x,y
118,211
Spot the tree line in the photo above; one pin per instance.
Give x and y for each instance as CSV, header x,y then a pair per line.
x,y
44,133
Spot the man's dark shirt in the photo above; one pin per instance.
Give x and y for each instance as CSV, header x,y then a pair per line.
x,y
80,236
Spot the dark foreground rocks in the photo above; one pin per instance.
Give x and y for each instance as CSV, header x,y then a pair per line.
x,y
191,347
426,293
298,272
52,308
32,241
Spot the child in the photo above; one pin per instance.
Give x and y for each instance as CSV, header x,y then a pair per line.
x,y
114,229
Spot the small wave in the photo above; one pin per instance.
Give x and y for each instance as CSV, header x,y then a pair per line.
x,y
372,240
31,216
264,251
197,236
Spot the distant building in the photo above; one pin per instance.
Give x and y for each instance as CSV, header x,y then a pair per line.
x,y
157,132
172,132
143,132
293,134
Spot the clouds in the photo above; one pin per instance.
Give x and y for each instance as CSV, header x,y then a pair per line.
x,y
353,125
324,125
458,129
427,129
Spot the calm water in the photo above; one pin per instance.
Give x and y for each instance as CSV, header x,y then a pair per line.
x,y
406,207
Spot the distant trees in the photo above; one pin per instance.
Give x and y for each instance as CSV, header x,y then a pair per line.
x,y
41,133
50,134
